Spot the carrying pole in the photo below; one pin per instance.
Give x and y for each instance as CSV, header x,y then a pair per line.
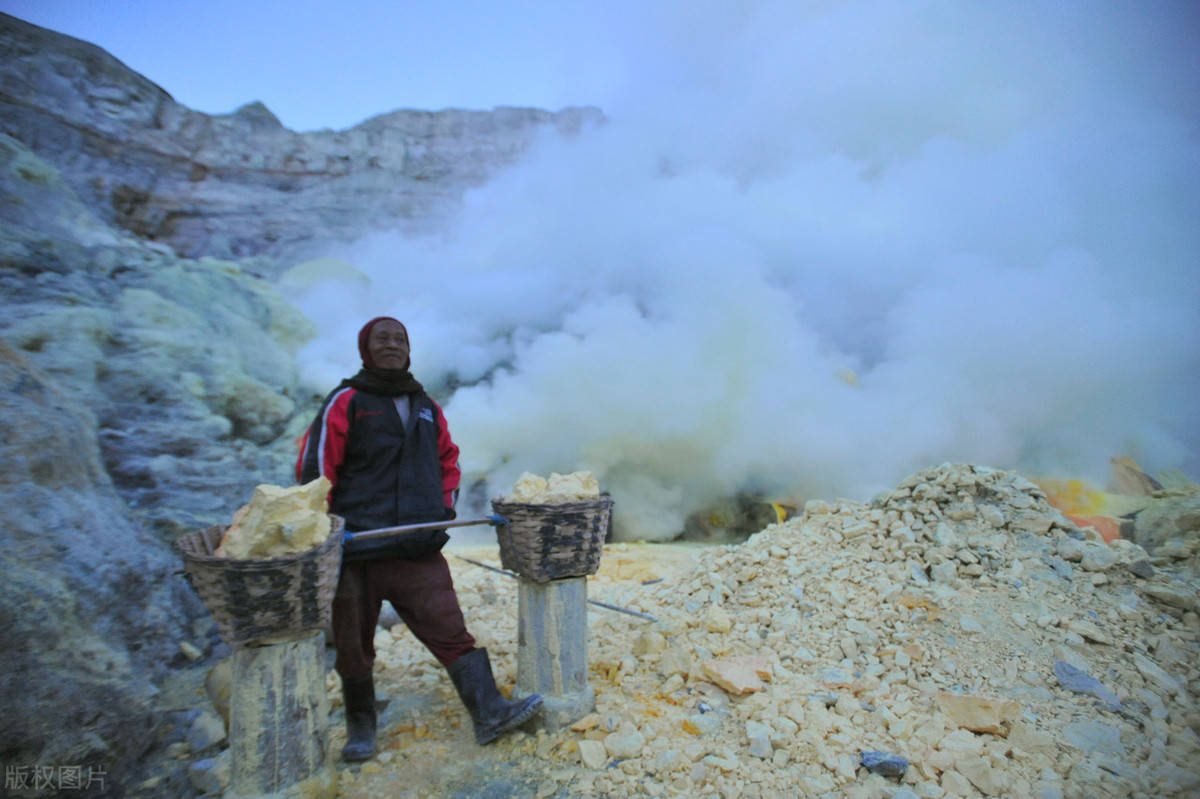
x,y
382,532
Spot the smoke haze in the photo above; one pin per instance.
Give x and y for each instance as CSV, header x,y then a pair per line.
x,y
816,249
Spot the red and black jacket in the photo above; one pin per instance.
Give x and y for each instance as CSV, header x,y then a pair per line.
x,y
384,472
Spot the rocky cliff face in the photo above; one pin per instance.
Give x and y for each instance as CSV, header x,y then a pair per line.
x,y
147,379
141,395
241,184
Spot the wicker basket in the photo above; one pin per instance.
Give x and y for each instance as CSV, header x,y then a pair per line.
x,y
253,599
549,542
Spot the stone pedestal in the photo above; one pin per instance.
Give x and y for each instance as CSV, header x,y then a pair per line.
x,y
279,720
552,650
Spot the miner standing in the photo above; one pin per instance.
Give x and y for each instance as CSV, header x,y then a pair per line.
x,y
385,446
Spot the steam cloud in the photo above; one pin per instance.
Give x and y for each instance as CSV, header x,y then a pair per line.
x,y
816,250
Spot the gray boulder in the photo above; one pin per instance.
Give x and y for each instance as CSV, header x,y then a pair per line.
x,y
92,613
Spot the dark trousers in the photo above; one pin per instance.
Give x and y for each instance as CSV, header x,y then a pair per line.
x,y
421,591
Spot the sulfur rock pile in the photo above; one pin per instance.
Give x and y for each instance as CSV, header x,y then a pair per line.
x,y
957,636
537,490
279,521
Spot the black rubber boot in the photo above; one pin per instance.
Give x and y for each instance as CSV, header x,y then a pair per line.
x,y
492,714
359,696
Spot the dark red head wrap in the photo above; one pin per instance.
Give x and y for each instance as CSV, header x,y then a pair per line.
x,y
364,336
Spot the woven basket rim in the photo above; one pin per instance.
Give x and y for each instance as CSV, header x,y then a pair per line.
x,y
335,536
551,505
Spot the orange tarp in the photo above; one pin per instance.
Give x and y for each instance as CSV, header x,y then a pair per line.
x,y
1108,527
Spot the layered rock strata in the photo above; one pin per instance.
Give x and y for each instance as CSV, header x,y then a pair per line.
x,y
240,184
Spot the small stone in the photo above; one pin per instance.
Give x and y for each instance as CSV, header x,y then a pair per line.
x,y
1081,682
969,625
856,529
190,651
1088,631
650,642
1141,568
178,750
668,760
944,572
716,620
945,536
1097,558
736,675
1093,736
759,737
981,774
207,730
804,655
1071,550
625,742
1175,548
211,775
1062,568
588,722
675,661
979,713
847,706
723,763
702,724
956,784
993,516
1170,595
1154,674
1030,740
593,754
884,763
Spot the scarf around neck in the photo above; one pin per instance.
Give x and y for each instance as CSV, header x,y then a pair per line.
x,y
384,382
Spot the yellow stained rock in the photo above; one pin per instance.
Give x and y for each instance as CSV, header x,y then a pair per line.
x,y
279,521
980,713
739,675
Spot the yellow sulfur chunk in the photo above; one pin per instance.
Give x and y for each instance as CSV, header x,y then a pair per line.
x,y
279,521
533,489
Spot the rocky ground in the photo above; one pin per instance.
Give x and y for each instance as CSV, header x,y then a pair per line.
x,y
957,636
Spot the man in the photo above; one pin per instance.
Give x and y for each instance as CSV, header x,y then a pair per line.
x,y
385,446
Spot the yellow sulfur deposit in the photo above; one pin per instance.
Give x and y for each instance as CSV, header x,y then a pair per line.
x,y
536,490
279,521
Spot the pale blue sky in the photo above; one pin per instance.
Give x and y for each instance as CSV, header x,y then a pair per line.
x,y
321,64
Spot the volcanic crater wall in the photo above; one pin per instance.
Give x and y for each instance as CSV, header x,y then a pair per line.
x,y
148,379
240,184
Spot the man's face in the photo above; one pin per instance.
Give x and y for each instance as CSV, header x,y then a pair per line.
x,y
388,345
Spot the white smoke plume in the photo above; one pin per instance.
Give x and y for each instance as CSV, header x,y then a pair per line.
x,y
820,246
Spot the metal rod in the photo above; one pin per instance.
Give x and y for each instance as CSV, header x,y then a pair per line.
x,y
415,528
597,603
637,613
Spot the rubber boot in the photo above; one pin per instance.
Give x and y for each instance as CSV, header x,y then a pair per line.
x,y
492,714
359,696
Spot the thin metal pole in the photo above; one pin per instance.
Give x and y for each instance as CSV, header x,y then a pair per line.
x,y
422,526
597,603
